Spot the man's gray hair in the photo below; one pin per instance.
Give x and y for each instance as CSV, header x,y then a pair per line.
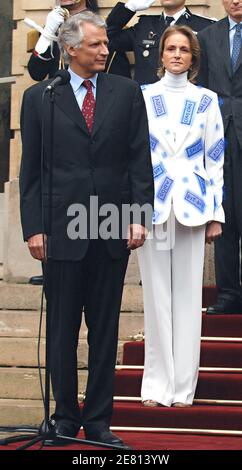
x,y
71,32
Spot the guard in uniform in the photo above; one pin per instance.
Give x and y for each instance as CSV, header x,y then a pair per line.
x,y
144,37
45,59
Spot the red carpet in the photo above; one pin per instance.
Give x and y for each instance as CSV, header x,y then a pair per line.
x,y
211,385
216,385
209,295
213,354
197,416
159,441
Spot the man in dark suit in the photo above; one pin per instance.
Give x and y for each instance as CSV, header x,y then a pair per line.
x,y
101,151
221,71
144,37
45,59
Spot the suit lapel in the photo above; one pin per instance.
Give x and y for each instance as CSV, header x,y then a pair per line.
x,y
160,25
66,101
104,100
224,44
185,119
162,125
188,115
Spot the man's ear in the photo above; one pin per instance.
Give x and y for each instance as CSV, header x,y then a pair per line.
x,y
71,50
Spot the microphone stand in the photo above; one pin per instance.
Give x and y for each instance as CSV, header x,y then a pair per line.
x,y
47,431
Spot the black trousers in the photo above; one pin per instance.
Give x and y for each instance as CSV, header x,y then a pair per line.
x,y
228,248
94,284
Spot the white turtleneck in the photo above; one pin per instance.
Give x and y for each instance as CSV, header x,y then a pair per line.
x,y
175,84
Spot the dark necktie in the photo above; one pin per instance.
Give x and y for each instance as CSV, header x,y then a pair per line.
x,y
236,46
169,20
88,106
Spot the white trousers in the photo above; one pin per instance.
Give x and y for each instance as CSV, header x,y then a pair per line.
x,y
172,289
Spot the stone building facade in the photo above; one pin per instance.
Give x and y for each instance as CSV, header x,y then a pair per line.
x,y
17,263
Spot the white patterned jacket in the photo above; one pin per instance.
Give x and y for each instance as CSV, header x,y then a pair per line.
x,y
188,169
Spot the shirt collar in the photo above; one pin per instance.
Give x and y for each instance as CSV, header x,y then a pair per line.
x,y
76,81
232,23
177,15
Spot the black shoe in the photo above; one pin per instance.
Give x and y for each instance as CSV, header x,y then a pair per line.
x,y
36,280
106,437
62,430
225,306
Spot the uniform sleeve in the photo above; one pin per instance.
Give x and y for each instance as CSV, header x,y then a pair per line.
x,y
119,39
46,65
214,155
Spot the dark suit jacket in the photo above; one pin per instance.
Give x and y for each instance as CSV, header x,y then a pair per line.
x,y
216,73
113,162
147,32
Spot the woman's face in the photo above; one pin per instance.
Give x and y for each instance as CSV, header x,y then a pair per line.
x,y
177,55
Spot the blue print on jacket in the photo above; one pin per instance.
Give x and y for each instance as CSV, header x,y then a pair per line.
x,y
216,151
188,111
159,105
158,170
202,184
155,216
193,150
153,142
165,189
195,200
204,103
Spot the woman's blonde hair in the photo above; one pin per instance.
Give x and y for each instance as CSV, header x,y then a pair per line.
x,y
194,45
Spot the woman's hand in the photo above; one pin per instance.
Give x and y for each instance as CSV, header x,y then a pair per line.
x,y
213,231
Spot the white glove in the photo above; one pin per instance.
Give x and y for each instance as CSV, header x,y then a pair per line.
x,y
53,21
137,5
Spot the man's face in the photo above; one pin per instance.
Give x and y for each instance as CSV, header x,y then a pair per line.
x,y
234,9
174,5
91,57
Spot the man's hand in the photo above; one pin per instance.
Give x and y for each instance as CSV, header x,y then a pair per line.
x,y
213,231
53,21
137,5
136,236
37,246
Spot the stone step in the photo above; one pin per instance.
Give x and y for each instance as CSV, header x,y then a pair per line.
x,y
28,297
25,324
22,352
19,296
22,412
23,383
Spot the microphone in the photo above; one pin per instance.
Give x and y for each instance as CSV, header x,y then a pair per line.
x,y
62,77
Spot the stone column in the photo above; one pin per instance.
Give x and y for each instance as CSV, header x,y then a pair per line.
x,y
18,264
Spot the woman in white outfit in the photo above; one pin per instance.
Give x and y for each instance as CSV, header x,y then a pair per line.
x,y
187,144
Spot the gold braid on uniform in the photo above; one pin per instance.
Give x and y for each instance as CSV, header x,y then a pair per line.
x,y
61,61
